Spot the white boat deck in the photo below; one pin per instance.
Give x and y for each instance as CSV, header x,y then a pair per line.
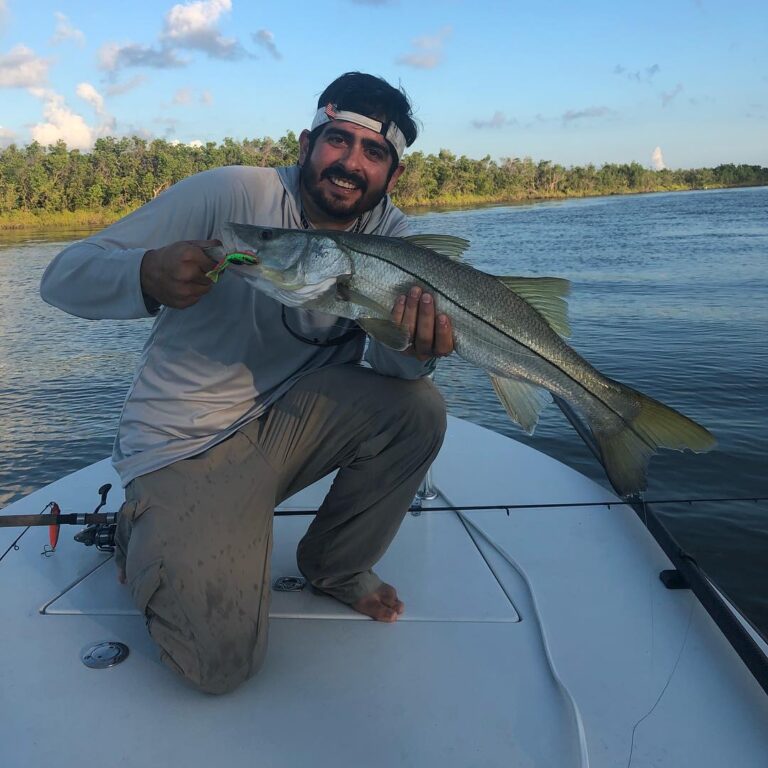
x,y
542,638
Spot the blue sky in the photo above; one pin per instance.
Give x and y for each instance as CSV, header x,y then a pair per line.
x,y
564,81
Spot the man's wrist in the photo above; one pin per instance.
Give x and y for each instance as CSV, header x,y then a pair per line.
x,y
151,303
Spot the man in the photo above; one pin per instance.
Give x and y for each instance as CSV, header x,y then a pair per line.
x,y
239,402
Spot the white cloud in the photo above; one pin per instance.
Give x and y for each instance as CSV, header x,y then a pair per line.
x,y
669,96
190,19
194,25
109,55
195,143
21,68
657,160
88,93
139,131
185,96
427,50
499,120
65,31
117,89
644,75
113,56
266,40
170,123
190,25
182,96
61,123
580,114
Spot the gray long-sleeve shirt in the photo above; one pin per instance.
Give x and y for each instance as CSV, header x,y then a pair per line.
x,y
210,368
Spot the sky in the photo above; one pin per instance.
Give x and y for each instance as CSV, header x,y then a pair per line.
x,y
678,83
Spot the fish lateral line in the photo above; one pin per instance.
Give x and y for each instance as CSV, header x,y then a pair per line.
x,y
531,352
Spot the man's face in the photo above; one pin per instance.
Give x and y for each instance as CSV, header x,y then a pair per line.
x,y
347,172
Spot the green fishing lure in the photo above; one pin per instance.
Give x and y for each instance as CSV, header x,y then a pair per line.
x,y
238,257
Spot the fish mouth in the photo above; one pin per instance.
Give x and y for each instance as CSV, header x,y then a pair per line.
x,y
293,293
281,279
291,283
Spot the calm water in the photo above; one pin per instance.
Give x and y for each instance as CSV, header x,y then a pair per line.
x,y
670,295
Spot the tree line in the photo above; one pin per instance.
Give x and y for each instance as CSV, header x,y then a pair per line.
x,y
47,184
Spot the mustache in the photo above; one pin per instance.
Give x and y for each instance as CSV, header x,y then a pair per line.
x,y
340,173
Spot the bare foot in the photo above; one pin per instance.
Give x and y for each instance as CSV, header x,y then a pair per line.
x,y
381,604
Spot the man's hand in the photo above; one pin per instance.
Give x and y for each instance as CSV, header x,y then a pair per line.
x,y
432,335
175,274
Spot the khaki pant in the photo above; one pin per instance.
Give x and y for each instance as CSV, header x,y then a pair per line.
x,y
195,537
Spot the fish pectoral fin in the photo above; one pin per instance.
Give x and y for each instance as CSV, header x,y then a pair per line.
x,y
345,292
521,400
446,245
546,295
389,333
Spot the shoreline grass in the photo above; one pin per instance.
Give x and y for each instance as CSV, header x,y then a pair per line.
x,y
90,219
23,220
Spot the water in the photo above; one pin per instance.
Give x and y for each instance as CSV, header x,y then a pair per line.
x,y
669,294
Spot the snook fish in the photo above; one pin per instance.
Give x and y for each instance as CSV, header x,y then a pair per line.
x,y
513,327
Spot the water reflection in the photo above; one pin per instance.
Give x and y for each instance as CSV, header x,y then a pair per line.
x,y
669,295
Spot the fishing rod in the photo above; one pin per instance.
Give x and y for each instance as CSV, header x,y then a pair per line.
x,y
561,505
75,518
99,530
100,527
110,518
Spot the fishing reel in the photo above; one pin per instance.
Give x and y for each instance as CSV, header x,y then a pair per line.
x,y
99,535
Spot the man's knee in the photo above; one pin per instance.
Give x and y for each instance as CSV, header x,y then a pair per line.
x,y
207,636
215,668
424,410
222,681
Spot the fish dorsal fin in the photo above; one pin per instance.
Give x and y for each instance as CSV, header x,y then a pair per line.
x,y
521,400
446,245
546,295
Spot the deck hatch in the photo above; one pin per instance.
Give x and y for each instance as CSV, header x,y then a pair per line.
x,y
433,563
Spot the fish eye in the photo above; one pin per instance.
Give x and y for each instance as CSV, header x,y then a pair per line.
x,y
266,234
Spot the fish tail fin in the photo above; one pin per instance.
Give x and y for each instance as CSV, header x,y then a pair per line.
x,y
625,453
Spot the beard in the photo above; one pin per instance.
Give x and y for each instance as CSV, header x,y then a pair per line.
x,y
339,205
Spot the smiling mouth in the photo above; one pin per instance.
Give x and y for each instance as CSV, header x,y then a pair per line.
x,y
342,183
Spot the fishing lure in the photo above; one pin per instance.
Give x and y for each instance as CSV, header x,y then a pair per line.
x,y
237,257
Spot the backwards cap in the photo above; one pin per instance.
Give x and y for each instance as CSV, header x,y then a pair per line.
x,y
389,130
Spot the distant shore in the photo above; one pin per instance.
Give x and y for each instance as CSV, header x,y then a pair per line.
x,y
58,188
483,200
86,219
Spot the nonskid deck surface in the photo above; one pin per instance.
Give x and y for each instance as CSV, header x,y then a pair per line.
x,y
541,638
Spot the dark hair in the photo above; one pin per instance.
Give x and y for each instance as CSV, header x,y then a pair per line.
x,y
373,97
